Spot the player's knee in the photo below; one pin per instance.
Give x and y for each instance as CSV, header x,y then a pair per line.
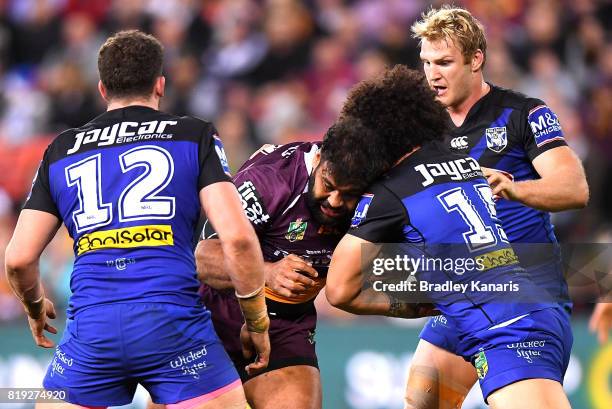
x,y
427,389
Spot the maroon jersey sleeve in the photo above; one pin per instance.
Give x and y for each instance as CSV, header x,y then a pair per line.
x,y
268,183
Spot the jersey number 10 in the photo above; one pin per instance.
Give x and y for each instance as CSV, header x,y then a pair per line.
x,y
139,200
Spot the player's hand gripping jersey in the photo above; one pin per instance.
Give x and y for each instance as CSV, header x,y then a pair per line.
x,y
439,213
127,186
273,185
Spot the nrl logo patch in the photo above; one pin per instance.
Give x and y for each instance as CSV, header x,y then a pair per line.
x,y
481,364
497,138
296,231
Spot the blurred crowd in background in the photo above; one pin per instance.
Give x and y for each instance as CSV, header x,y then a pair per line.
x,y
275,71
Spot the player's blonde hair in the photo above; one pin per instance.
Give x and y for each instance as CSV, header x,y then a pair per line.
x,y
454,24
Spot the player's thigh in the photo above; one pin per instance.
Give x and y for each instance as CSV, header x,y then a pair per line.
x,y
437,379
534,393
292,387
233,399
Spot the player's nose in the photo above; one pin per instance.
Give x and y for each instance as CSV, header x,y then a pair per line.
x,y
335,199
433,72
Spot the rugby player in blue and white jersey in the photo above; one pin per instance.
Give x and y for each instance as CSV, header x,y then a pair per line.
x,y
129,186
434,204
519,142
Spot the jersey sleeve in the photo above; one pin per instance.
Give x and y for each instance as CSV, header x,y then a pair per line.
x,y
212,159
40,197
379,217
255,197
541,130
262,193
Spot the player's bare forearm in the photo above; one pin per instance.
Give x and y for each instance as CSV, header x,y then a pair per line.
x,y
370,302
211,265
24,279
34,230
562,186
240,247
553,195
244,263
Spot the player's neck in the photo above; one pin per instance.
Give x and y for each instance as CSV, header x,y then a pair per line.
x,y
117,103
459,113
400,160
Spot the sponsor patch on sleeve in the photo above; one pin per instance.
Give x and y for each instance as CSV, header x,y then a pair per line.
x,y
362,209
252,203
544,125
221,154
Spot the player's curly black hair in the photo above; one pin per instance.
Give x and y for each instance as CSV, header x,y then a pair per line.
x,y
401,108
351,153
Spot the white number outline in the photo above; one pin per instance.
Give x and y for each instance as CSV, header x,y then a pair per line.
x,y
97,158
473,229
151,195
485,193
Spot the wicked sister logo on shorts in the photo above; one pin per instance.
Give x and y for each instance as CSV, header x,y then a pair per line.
x,y
191,363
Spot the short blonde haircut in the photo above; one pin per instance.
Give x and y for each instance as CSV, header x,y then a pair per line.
x,y
454,24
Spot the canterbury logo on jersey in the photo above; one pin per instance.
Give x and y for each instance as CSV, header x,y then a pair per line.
x,y
123,132
458,169
459,142
129,237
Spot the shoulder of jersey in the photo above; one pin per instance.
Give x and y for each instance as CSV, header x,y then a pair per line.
x,y
277,156
515,99
280,162
423,169
74,140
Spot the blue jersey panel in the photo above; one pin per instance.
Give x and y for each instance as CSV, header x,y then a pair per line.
x,y
464,217
131,212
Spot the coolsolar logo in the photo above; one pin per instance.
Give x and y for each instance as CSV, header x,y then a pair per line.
x,y
129,237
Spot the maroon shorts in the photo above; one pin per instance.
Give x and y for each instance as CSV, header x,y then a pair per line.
x,y
292,330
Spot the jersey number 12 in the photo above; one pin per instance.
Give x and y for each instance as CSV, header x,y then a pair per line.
x,y
139,200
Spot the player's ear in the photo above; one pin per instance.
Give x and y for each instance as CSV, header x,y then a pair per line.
x,y
316,160
160,86
102,91
477,60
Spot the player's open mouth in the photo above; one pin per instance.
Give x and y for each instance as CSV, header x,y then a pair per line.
x,y
329,212
440,90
